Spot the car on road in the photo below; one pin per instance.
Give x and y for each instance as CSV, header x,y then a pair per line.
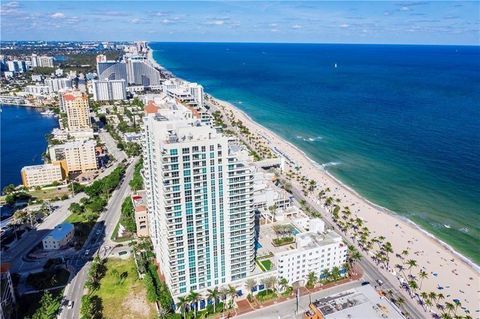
x,y
379,282
70,304
365,283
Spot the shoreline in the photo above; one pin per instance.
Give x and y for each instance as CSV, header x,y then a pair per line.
x,y
458,279
385,210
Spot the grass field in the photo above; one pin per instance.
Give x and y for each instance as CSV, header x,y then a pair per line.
x,y
125,299
49,194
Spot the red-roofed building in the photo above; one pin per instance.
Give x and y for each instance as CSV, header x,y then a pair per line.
x,y
75,104
150,108
141,214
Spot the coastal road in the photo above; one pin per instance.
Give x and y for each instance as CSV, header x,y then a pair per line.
x,y
99,240
371,271
370,268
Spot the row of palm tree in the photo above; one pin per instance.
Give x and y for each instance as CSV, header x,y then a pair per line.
x,y
190,302
353,226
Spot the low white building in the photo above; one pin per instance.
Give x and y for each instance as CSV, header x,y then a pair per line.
x,y
132,137
315,251
59,237
37,90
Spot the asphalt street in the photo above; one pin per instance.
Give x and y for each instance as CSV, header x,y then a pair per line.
x,y
98,241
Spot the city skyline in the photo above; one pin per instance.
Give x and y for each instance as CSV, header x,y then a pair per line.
x,y
387,22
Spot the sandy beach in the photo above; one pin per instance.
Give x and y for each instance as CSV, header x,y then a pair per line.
x,y
458,277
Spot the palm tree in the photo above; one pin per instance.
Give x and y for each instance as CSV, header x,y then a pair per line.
x,y
457,304
224,294
405,252
250,284
387,248
213,295
326,273
413,285
269,283
194,297
232,293
283,283
445,316
449,307
354,256
423,275
336,273
182,303
424,297
440,296
311,279
432,296
428,303
411,263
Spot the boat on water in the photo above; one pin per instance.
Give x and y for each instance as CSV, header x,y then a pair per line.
x,y
447,226
48,113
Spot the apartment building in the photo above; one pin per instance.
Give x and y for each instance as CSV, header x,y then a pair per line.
x,y
75,104
200,202
75,156
41,175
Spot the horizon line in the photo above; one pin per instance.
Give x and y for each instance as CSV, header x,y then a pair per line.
x,y
252,42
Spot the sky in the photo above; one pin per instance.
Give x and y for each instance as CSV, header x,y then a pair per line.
x,y
406,22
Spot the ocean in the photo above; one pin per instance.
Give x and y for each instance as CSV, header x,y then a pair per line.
x,y
23,142
399,124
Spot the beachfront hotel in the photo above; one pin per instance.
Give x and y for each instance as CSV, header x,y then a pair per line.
x,y
41,175
75,104
200,202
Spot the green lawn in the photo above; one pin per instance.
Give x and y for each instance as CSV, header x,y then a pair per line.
x,y
265,265
125,299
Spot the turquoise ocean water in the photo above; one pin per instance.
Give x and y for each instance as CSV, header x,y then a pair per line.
x,y
399,124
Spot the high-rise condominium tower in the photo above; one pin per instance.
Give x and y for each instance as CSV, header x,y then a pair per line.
x,y
200,198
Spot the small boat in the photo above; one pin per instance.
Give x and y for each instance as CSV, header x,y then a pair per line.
x,y
48,113
335,65
447,226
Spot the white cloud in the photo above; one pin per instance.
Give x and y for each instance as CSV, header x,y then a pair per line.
x,y
344,25
405,9
296,26
274,30
273,25
135,21
58,15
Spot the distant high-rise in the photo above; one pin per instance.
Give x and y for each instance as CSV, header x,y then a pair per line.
x,y
141,72
57,84
109,90
41,61
77,108
200,202
112,70
101,58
